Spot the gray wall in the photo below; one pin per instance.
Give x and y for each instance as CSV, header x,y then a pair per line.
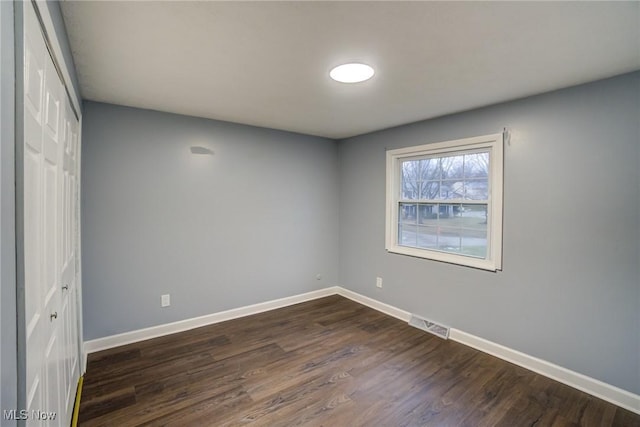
x,y
256,221
570,289
8,352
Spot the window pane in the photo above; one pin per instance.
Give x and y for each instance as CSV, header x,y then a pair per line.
x,y
449,227
407,213
427,214
449,240
452,167
476,165
407,235
430,190
449,215
452,190
476,189
474,216
474,243
428,237
431,169
446,211
410,179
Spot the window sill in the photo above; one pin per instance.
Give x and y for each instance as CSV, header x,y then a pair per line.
x,y
465,261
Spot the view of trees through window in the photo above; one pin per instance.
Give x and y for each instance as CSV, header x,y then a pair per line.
x,y
443,205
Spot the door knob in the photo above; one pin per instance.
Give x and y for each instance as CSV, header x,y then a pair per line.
x,y
54,315
65,287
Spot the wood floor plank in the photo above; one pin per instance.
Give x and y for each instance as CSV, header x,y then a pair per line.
x,y
328,362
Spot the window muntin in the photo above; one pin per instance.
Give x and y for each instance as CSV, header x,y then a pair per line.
x,y
444,201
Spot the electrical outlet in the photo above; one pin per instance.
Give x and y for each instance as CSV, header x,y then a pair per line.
x,y
165,300
378,282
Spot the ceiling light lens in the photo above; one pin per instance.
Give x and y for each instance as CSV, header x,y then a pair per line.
x,y
352,73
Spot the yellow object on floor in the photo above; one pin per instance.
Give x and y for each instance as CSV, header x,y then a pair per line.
x,y
76,405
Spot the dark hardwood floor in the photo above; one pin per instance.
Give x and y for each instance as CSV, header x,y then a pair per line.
x,y
328,362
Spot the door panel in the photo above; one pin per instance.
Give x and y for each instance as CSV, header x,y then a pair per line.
x,y
52,392
34,285
69,311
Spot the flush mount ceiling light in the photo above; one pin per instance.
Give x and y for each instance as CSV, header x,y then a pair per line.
x,y
352,73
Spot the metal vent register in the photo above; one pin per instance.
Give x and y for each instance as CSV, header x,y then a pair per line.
x,y
429,326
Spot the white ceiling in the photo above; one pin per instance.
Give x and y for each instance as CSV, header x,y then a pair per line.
x,y
267,63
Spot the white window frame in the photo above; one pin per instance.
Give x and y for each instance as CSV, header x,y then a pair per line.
x,y
491,143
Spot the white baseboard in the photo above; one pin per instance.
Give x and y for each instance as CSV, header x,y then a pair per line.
x,y
597,388
196,322
375,304
604,391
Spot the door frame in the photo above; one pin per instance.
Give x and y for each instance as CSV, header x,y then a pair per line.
x,y
8,355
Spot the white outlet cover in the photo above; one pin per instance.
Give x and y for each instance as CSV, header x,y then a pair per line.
x,y
379,282
165,300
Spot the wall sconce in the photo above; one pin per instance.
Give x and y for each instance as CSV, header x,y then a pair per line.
x,y
198,149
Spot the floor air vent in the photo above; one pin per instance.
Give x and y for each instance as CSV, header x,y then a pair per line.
x,y
429,326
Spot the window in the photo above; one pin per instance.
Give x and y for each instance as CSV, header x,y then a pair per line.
x,y
444,201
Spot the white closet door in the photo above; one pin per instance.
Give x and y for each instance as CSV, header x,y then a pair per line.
x,y
69,225
50,132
